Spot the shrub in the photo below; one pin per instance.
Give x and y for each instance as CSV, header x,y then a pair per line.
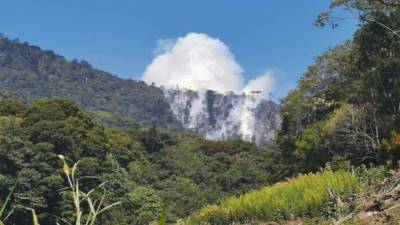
x,y
370,176
339,163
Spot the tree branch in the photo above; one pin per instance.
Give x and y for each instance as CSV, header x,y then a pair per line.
x,y
383,2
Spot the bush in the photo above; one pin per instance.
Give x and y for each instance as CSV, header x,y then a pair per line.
x,y
339,163
370,176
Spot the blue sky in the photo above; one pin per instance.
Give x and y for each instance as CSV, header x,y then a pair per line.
x,y
120,36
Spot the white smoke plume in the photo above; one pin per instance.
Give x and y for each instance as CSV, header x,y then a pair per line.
x,y
198,61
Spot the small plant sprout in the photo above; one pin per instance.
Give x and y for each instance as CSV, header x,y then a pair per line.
x,y
95,206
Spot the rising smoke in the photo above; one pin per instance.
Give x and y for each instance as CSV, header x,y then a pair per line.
x,y
199,62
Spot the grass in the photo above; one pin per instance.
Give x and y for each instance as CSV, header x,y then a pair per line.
x,y
305,195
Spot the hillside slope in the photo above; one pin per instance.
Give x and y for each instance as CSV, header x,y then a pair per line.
x,y
28,73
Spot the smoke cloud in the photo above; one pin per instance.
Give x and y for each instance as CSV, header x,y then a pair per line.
x,y
198,61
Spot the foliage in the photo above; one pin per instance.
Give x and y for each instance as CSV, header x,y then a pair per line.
x,y
347,103
203,171
392,146
150,170
371,176
144,204
338,163
302,196
366,11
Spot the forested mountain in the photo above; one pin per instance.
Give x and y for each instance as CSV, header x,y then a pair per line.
x,y
28,73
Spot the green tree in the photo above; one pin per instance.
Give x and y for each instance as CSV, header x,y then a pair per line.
x,y
144,205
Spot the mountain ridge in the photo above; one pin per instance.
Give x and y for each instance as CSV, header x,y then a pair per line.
x,y
28,73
